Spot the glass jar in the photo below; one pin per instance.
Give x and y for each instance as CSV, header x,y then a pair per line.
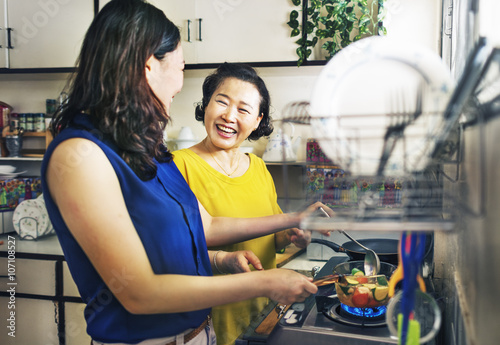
x,y
29,122
50,106
23,121
39,122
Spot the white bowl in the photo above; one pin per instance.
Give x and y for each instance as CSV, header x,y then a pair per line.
x,y
7,169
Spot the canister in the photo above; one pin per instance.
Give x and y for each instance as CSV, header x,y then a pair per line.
x,y
39,122
50,106
22,121
29,122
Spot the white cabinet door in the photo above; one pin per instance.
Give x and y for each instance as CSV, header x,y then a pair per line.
x,y
181,13
3,35
49,33
245,31
232,30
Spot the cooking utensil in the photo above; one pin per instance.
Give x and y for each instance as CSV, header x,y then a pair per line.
x,y
372,261
427,316
363,291
268,324
411,252
330,279
386,249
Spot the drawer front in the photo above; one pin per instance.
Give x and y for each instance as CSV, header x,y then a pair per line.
x,y
32,276
33,322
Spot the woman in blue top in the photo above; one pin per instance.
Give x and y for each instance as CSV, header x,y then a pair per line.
x,y
133,234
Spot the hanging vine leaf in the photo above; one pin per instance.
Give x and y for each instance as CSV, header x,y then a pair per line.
x,y
337,23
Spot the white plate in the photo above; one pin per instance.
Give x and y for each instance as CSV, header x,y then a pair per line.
x,y
4,176
360,85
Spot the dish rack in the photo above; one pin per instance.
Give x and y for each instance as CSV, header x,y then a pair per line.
x,y
411,200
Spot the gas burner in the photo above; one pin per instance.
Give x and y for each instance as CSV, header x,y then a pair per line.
x,y
363,312
364,317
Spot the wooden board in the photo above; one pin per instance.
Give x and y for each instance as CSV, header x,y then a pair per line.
x,y
291,252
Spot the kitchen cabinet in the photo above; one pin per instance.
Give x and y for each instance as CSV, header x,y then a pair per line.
x,y
48,309
42,34
232,30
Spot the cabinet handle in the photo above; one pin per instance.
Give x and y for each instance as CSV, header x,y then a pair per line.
x,y
189,30
0,44
448,31
9,45
199,29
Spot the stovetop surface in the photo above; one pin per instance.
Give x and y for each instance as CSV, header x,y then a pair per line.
x,y
303,324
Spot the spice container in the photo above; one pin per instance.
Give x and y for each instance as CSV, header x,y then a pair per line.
x,y
39,122
50,106
29,122
22,121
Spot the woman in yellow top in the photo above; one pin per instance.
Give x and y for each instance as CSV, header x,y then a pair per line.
x,y
227,182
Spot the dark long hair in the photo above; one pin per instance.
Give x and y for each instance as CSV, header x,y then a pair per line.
x,y
110,83
245,73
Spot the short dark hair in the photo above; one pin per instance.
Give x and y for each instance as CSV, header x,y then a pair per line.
x,y
245,73
110,82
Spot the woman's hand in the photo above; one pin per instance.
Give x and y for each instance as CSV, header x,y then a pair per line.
x,y
301,238
286,286
237,262
315,208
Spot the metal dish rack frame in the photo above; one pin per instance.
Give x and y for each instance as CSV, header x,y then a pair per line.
x,y
423,205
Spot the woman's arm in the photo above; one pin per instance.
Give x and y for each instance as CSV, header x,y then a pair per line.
x,y
234,262
226,230
84,186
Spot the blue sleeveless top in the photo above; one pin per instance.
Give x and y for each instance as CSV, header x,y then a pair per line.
x,y
167,218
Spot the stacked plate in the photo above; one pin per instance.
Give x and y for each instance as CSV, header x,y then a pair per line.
x,y
8,172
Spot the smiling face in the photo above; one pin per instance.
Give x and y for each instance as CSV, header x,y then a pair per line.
x,y
166,77
232,113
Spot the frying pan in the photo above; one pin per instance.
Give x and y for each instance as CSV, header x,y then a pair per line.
x,y
386,249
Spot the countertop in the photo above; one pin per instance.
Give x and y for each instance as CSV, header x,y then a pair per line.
x,y
47,247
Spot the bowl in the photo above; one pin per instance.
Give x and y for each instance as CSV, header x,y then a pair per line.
x,y
7,169
362,291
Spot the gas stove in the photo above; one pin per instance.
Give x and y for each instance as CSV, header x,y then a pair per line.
x,y
322,319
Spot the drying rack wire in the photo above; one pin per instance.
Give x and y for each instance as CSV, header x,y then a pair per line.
x,y
416,199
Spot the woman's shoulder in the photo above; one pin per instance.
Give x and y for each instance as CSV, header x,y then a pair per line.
x,y
184,155
256,161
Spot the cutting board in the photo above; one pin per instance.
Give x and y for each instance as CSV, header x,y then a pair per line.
x,y
291,252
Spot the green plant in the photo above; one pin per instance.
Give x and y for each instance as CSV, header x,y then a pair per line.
x,y
336,23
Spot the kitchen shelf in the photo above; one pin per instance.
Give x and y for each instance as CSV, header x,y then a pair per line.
x,y
24,159
380,222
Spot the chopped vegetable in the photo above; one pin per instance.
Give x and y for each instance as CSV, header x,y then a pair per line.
x,y
380,293
361,297
357,272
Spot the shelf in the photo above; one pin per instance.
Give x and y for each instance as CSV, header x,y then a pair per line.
x,y
383,222
24,159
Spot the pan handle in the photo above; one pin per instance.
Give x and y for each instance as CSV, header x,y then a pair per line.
x,y
329,244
